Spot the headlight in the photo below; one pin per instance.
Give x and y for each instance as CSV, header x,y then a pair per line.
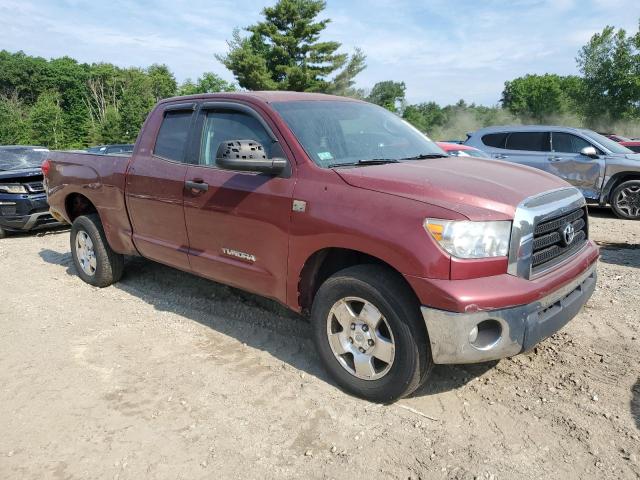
x,y
466,239
12,188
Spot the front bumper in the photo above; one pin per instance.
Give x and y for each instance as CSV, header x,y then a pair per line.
x,y
25,212
492,334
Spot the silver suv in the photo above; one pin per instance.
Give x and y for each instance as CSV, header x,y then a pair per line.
x,y
603,170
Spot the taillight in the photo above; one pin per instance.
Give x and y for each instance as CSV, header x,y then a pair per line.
x,y
45,167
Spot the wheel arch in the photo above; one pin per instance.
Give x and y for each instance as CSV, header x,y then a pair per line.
x,y
323,263
76,204
613,182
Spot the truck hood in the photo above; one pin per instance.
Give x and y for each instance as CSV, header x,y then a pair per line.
x,y
477,188
628,158
23,172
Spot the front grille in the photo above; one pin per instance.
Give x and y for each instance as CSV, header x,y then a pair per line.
x,y
549,242
34,187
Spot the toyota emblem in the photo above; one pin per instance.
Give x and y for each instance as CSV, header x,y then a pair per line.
x,y
568,233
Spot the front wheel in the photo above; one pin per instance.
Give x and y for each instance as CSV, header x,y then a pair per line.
x,y
625,200
369,333
95,261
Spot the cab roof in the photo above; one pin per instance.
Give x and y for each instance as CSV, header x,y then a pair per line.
x,y
264,96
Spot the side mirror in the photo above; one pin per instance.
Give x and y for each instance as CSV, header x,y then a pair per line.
x,y
247,156
589,152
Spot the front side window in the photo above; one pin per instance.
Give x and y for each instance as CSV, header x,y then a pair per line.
x,y
568,143
528,141
173,134
335,132
221,126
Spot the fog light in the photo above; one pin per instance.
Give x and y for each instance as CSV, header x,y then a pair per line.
x,y
485,335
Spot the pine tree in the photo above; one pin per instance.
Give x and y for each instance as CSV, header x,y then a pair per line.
x,y
284,52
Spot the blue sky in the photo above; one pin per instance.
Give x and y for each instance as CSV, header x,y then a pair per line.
x,y
443,50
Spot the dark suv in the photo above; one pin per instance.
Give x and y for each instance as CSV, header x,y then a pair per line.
x,y
23,201
604,171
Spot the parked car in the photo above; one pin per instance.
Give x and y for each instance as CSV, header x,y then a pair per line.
x,y
459,150
633,145
615,137
124,148
404,257
23,201
606,172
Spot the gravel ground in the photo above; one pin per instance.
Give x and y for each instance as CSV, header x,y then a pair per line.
x,y
166,375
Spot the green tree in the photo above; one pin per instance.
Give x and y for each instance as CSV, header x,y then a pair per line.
x,y
110,129
540,96
610,65
425,116
162,82
135,103
67,77
284,52
45,123
12,120
208,83
388,94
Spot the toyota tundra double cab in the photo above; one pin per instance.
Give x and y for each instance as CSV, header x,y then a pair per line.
x,y
403,257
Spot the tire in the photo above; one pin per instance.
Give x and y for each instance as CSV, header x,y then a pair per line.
x,y
3,233
105,266
401,324
625,200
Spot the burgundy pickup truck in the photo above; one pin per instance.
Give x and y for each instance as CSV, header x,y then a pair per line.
x,y
403,256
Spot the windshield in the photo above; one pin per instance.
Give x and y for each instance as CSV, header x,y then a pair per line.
x,y
19,158
613,147
339,132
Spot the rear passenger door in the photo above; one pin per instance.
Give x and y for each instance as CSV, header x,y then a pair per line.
x,y
526,148
566,161
155,189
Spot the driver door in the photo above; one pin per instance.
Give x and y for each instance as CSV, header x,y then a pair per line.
x,y
237,222
566,161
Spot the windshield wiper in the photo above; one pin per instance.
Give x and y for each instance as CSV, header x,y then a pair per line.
x,y
372,161
424,156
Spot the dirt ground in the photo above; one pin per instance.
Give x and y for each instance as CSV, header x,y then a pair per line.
x,y
166,375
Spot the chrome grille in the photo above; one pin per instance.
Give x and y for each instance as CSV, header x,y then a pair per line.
x,y
549,243
34,187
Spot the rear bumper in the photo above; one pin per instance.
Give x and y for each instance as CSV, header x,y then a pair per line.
x,y
492,334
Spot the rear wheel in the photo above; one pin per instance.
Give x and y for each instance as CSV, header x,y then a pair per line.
x,y
369,333
95,261
625,200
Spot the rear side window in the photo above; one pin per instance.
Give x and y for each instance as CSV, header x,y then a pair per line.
x,y
495,140
530,141
634,148
172,137
568,143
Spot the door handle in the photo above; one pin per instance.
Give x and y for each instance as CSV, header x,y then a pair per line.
x,y
196,184
555,159
501,156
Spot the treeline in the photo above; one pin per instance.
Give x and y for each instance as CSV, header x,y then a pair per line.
x,y
61,103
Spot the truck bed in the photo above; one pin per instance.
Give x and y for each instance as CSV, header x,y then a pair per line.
x,y
78,177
